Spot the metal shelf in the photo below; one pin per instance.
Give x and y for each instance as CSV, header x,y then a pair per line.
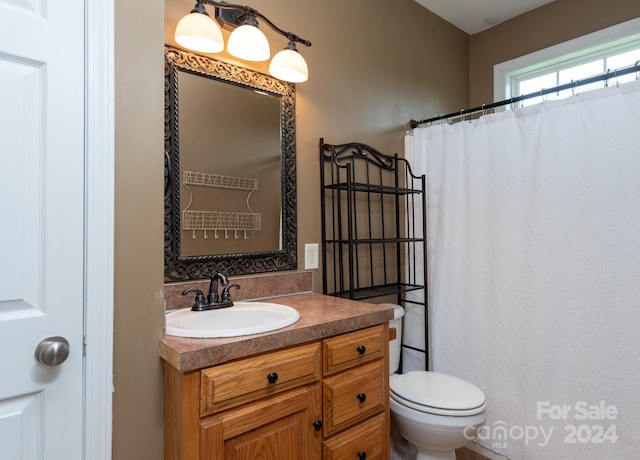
x,y
373,221
372,188
378,291
376,241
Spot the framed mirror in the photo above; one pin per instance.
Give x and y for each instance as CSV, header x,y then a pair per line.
x,y
230,169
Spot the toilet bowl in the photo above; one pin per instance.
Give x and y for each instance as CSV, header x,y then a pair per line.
x,y
434,412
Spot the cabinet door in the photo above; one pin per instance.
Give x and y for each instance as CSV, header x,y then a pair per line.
x,y
279,427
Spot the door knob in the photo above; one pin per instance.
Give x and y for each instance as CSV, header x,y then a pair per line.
x,y
52,351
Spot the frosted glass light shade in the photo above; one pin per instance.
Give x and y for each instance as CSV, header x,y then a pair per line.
x,y
289,65
198,32
249,43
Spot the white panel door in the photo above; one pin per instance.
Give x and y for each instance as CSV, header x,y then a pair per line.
x,y
41,226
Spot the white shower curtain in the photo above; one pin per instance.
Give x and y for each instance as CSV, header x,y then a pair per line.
x,y
534,271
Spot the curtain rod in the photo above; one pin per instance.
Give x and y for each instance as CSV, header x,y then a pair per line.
x,y
571,85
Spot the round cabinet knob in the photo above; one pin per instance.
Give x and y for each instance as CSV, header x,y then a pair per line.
x,y
362,455
317,425
361,349
52,351
361,397
272,377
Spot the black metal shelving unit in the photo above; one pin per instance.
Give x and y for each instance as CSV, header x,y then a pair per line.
x,y
373,225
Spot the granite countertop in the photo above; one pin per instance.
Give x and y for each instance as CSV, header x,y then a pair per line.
x,y
321,316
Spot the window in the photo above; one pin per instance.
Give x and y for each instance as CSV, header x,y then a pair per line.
x,y
606,50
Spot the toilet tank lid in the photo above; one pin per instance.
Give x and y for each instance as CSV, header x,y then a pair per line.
x,y
437,390
398,311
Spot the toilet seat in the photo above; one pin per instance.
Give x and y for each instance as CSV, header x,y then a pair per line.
x,y
437,393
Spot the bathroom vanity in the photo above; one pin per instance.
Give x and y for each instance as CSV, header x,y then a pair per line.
x,y
317,389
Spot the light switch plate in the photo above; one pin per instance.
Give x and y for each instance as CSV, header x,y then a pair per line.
x,y
310,256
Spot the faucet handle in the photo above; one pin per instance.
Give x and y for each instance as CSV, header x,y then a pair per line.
x,y
198,300
226,295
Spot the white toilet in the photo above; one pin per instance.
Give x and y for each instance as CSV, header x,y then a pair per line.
x,y
435,412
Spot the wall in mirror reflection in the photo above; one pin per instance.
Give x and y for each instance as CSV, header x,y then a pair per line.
x,y
228,130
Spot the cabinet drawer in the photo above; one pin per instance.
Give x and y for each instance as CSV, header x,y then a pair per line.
x,y
369,438
254,378
354,395
352,349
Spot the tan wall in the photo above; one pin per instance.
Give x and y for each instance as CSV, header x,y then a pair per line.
x,y
373,66
546,26
139,309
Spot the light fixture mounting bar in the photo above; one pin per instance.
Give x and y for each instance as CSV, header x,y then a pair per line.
x,y
231,15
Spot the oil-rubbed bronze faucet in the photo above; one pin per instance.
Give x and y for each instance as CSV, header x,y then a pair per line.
x,y
213,296
214,300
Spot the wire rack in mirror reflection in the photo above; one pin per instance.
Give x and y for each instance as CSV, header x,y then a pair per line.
x,y
224,221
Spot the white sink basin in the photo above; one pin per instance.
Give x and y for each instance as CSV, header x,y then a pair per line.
x,y
243,318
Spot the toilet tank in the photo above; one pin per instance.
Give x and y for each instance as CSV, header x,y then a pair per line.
x,y
395,344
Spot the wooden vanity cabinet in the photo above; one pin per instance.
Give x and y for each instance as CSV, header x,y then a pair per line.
x,y
325,399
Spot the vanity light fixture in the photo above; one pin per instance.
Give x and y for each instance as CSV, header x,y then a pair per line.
x,y
197,31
